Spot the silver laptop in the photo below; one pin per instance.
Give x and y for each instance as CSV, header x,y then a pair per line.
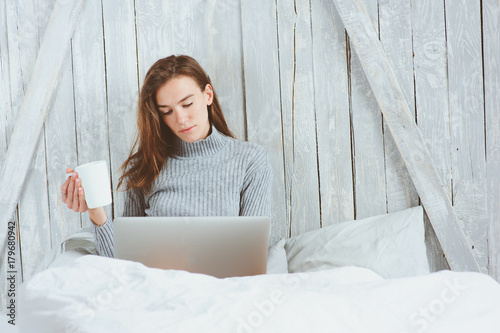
x,y
218,246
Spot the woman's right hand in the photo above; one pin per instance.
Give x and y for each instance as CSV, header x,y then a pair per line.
x,y
73,195
72,192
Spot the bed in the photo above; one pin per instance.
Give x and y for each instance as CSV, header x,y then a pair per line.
x,y
368,275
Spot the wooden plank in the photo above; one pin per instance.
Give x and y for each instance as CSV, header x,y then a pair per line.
x,y
60,142
431,96
407,135
368,139
491,64
465,84
5,101
261,68
16,80
35,107
27,29
34,218
332,112
396,38
298,108
153,25
5,109
90,91
61,153
122,86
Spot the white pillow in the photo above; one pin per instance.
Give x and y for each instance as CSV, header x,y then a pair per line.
x,y
276,259
391,245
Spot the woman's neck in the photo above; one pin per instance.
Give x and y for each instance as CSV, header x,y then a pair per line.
x,y
204,147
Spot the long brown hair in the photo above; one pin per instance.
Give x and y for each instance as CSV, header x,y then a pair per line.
x,y
154,140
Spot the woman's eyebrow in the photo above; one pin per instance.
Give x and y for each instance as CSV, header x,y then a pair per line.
x,y
182,100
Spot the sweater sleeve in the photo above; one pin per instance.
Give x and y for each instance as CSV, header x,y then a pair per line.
x,y
104,234
255,198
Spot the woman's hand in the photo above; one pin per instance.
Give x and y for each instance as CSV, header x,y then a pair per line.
x,y
72,192
73,195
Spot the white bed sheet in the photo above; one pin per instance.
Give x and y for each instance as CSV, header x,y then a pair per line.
x,y
88,293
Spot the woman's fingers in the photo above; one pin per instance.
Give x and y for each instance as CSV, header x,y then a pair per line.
x,y
83,203
71,191
76,201
65,185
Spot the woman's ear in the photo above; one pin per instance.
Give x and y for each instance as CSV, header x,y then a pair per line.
x,y
209,93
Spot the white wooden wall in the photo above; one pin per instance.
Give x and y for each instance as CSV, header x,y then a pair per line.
x,y
288,79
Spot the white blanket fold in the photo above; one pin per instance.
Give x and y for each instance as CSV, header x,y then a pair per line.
x,y
96,294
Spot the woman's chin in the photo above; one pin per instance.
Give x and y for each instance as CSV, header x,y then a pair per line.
x,y
189,138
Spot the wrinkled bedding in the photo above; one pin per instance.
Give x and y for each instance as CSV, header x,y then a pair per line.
x,y
88,293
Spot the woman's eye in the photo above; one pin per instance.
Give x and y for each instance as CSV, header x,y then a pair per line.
x,y
167,113
188,105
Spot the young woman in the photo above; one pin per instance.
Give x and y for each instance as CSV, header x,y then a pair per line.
x,y
185,161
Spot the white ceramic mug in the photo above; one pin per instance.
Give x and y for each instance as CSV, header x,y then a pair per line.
x,y
95,182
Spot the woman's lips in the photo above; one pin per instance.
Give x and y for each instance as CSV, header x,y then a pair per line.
x,y
183,131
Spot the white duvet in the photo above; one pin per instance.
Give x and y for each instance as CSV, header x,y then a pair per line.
x,y
96,294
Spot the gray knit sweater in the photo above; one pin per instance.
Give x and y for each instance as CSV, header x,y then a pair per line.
x,y
217,176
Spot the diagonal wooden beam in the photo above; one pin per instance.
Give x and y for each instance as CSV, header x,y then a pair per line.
x,y
406,134
35,106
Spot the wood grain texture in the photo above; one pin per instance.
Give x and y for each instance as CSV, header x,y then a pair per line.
x,y
61,153
5,109
395,18
332,113
60,145
299,119
33,209
263,100
90,91
465,84
406,135
122,87
368,139
491,65
16,82
431,96
153,24
5,102
43,78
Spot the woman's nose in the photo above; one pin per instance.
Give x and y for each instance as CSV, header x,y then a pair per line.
x,y
182,116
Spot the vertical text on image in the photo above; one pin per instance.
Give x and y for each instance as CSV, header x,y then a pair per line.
x,y
11,273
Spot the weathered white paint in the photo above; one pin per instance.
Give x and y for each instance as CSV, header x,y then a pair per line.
x,y
61,153
35,107
152,25
263,102
396,38
431,95
406,135
5,110
491,47
298,110
122,86
368,139
92,133
465,84
331,87
33,203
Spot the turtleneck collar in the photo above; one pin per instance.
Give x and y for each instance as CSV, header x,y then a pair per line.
x,y
209,146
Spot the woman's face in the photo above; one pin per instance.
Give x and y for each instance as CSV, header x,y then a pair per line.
x,y
183,108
